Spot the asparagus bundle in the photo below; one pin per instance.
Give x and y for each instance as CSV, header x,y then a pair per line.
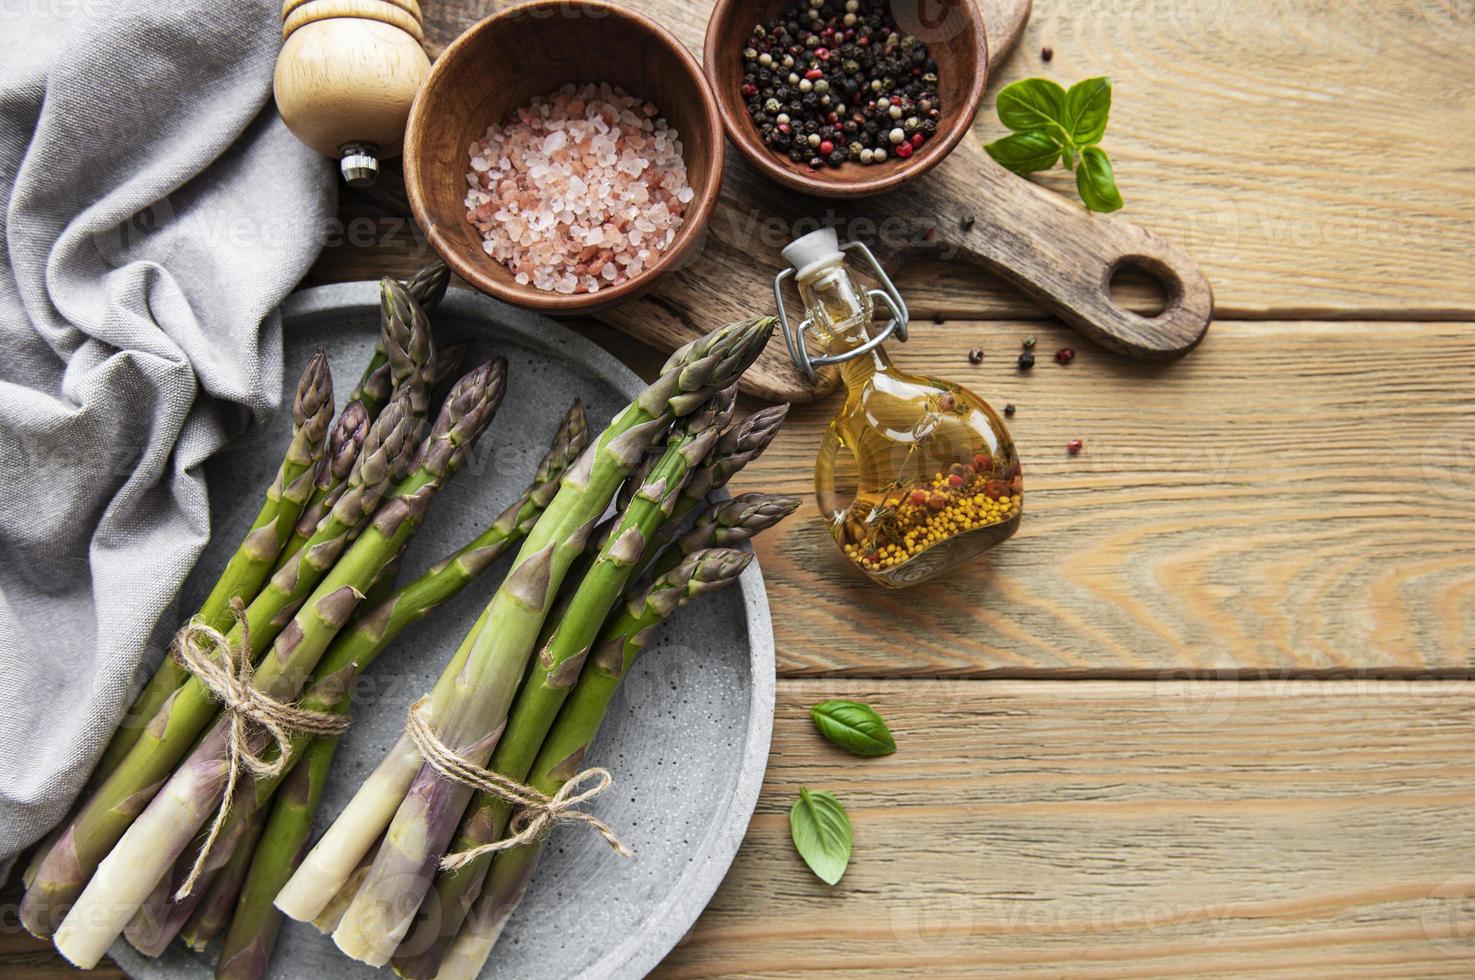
x,y
163,830
561,655
469,703
556,668
473,716
353,651
413,363
312,411
562,753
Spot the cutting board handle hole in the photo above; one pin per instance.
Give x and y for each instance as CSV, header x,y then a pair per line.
x,y
1143,285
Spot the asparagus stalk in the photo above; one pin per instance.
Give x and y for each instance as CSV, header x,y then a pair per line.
x,y
726,524
312,411
332,913
159,919
562,753
162,831
405,347
343,449
552,675
450,575
212,915
255,922
450,361
491,659
387,454
385,372
428,283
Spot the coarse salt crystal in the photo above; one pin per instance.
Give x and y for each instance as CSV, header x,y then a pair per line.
x,y
578,190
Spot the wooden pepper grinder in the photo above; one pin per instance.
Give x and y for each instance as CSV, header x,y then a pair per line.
x,y
347,74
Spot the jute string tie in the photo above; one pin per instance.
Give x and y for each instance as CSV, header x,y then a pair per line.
x,y
226,672
537,811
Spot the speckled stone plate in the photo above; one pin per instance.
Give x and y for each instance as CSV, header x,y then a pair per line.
x,y
687,738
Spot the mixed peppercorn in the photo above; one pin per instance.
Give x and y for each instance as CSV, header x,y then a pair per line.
x,y
831,81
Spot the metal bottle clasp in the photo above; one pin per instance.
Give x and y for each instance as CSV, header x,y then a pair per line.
x,y
887,294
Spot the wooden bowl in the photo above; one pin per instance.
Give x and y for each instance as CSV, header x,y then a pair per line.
x,y
953,33
533,49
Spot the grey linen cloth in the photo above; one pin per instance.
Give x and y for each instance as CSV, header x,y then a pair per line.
x,y
156,213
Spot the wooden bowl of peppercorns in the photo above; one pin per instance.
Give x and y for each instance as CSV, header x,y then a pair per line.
x,y
846,98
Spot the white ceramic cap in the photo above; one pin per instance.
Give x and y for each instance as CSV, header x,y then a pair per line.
x,y
813,252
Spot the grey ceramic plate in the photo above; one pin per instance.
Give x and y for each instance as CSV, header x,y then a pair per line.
x,y
687,739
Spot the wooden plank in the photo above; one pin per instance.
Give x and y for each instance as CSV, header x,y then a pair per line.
x,y
1295,151
1290,497
1116,830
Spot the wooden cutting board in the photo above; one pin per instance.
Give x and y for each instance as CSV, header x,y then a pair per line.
x,y
1048,245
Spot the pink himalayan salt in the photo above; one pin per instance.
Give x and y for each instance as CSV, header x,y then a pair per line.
x,y
578,191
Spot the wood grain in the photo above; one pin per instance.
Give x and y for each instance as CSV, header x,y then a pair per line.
x,y
1290,497
1311,156
1116,830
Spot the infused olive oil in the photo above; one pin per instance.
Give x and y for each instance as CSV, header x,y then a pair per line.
x,y
915,474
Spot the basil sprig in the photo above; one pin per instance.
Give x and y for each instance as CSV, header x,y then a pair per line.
x,y
853,726
821,831
1053,125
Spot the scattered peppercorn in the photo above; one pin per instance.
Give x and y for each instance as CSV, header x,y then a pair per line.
x,y
1074,447
937,317
975,356
1065,355
967,222
1047,53
1026,361
1009,411
841,71
1029,342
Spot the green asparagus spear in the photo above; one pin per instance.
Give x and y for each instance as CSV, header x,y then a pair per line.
x,y
426,288
492,663
562,754
343,449
255,922
726,524
108,814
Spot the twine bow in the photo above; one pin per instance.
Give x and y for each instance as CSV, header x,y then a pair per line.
x,y
226,672
537,812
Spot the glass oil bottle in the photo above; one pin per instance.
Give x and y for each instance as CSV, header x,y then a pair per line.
x,y
915,475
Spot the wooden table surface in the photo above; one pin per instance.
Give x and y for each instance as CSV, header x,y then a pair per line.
x,y
1211,711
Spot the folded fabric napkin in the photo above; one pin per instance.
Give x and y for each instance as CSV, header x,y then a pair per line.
x,y
156,213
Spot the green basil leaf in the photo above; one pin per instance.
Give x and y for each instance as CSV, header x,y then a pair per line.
x,y
1097,182
1068,158
821,831
853,726
1032,103
1026,153
1087,106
